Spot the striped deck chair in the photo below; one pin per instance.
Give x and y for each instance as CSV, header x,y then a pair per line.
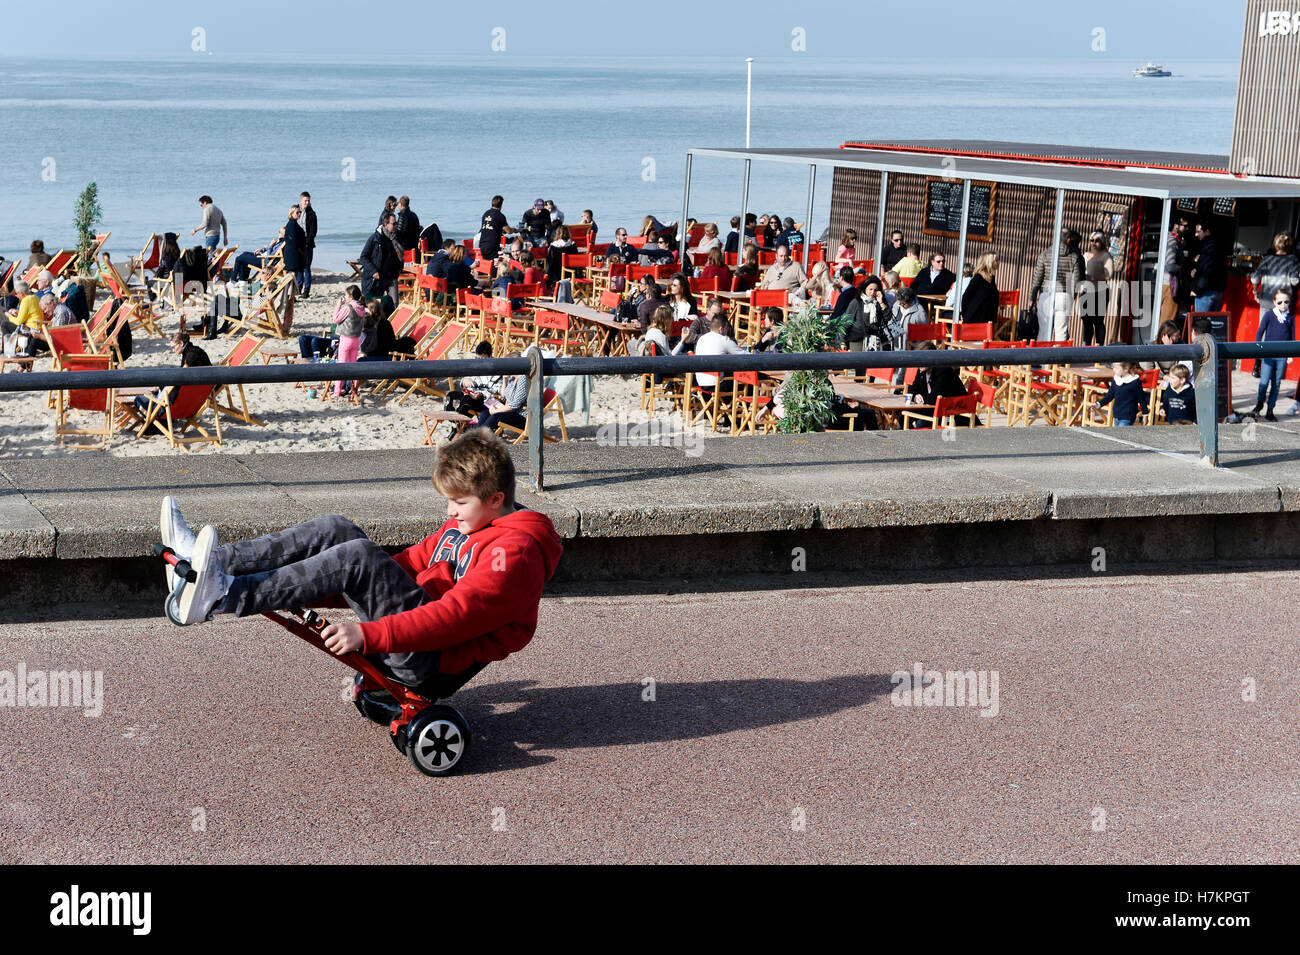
x,y
273,315
147,261
174,419
219,260
92,401
103,329
244,349
438,348
135,294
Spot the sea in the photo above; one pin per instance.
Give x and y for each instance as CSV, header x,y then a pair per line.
x,y
606,135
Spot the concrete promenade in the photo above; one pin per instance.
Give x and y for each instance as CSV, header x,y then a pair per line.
x,y
1035,496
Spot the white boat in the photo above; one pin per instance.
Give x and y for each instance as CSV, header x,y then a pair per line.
x,y
1152,69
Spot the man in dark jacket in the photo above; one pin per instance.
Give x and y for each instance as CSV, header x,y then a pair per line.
x,y
440,260
308,223
295,246
408,225
1209,274
936,280
381,262
536,223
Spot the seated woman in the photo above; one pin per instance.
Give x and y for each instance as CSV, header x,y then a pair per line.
x,y
771,329
716,269
933,383
560,246
377,339
748,274
474,391
513,405
710,240
459,274
817,287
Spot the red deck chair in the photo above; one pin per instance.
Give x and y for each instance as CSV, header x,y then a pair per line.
x,y
93,401
438,348
60,263
142,317
175,419
580,233
1008,313
402,319
147,261
244,349
972,332
750,395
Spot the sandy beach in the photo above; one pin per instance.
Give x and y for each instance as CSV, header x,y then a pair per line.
x,y
295,421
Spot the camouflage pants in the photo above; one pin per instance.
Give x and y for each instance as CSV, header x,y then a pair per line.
x,y
304,565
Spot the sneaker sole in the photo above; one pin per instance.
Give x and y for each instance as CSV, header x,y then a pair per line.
x,y
166,532
190,611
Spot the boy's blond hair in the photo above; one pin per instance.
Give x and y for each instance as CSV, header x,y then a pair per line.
x,y
477,463
1180,371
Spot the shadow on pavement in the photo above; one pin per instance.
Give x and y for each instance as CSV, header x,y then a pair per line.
x,y
614,714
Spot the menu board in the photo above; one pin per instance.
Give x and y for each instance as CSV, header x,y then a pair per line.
x,y
943,208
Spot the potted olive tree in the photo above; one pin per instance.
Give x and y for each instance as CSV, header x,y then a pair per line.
x,y
808,397
86,216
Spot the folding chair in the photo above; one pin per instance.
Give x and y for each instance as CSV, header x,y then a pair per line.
x,y
220,259
1008,314
432,419
570,267
1030,396
751,393
558,326
148,260
60,263
919,332
550,402
175,418
710,402
437,349
946,409
274,314
86,400
971,335
402,319
101,336
244,349
135,294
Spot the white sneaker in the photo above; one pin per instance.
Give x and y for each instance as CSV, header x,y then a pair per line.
x,y
176,534
199,599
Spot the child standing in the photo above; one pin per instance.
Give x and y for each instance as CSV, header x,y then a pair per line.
x,y
465,595
1126,392
1179,397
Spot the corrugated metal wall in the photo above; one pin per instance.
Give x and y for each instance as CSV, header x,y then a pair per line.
x,y
1022,226
1265,141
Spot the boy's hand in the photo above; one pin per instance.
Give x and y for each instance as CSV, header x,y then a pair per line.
x,y
341,638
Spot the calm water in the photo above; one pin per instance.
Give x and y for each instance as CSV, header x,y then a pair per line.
x,y
157,134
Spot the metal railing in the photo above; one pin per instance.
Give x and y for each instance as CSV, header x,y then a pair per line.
x,y
1208,356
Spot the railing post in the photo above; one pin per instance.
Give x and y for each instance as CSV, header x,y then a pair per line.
x,y
534,423
1207,398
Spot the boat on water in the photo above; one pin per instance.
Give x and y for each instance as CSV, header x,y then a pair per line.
x,y
1152,69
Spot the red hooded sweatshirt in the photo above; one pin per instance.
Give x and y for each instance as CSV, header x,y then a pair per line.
x,y
485,586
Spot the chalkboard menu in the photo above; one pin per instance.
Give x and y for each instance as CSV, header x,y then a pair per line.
x,y
943,208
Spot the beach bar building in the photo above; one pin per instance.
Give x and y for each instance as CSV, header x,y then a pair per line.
x,y
963,198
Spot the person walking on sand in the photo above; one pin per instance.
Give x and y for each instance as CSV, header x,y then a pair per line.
x,y
295,246
213,225
308,222
381,262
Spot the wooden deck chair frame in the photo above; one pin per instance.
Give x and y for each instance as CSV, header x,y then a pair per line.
x,y
102,339
147,260
219,260
266,316
135,295
72,400
550,404
439,346
240,355
174,428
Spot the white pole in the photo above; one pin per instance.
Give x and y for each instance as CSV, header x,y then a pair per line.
x,y
749,85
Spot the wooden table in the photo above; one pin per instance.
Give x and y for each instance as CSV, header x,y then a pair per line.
x,y
889,408
859,391
434,418
1078,375
605,327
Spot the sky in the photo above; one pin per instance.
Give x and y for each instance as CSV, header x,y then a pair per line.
x,y
1135,30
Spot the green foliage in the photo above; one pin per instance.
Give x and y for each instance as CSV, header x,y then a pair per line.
x,y
808,395
85,217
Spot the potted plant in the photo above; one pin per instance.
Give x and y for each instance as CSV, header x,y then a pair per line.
x,y
808,395
85,219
